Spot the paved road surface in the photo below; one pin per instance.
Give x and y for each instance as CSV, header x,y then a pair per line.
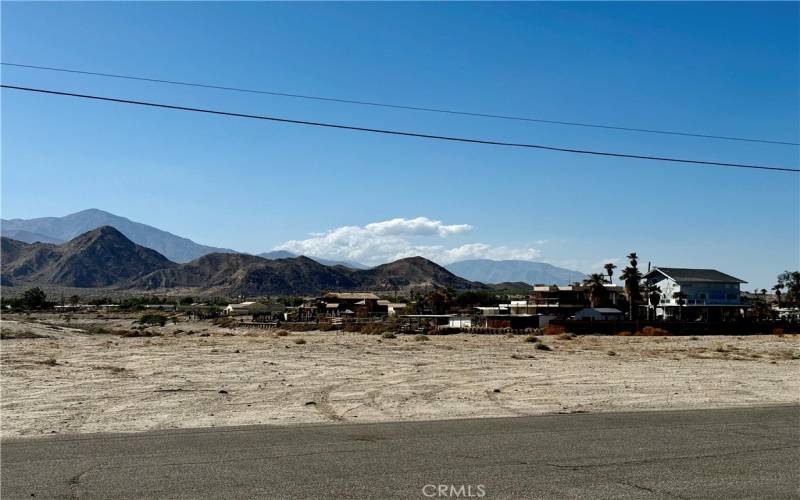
x,y
734,453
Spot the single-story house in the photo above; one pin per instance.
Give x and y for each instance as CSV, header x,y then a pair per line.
x,y
337,303
395,308
245,308
599,313
460,322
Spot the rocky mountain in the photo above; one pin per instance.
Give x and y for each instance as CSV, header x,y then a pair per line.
x,y
498,271
99,258
61,229
104,257
238,274
413,272
283,254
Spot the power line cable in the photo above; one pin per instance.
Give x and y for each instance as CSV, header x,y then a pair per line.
x,y
398,132
406,107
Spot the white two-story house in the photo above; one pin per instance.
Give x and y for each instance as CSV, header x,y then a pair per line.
x,y
707,293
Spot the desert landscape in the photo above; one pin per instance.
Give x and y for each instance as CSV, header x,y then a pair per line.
x,y
106,373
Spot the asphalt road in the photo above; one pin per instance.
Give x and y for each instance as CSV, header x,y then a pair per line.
x,y
734,453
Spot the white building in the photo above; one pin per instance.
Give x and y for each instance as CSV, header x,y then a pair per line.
x,y
705,293
460,322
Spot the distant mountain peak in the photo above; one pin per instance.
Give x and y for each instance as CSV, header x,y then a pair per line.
x,y
98,258
62,229
502,271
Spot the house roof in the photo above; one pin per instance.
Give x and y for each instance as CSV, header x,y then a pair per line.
x,y
352,296
602,310
685,275
242,305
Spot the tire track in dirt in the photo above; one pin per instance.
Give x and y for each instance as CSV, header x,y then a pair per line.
x,y
494,398
323,403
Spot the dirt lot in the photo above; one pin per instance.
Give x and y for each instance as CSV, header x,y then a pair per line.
x,y
73,378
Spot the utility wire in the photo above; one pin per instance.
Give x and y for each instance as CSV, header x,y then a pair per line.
x,y
398,132
406,107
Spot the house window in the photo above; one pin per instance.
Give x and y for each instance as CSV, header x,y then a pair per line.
x,y
702,296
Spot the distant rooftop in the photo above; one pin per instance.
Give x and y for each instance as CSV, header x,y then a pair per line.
x,y
352,296
685,275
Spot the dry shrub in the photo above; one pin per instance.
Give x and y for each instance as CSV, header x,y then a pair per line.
x,y
626,333
281,333
388,335
51,361
421,338
651,331
532,338
299,341
24,334
371,329
225,321
566,336
111,368
137,333
552,329
543,347
153,319
778,332
97,329
325,326
299,327
522,356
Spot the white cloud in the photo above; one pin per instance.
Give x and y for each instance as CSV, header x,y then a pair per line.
x,y
421,226
394,239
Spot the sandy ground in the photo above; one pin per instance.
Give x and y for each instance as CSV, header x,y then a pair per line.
x,y
196,375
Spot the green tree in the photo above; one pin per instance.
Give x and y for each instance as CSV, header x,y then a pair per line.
x,y
74,300
790,280
34,298
597,288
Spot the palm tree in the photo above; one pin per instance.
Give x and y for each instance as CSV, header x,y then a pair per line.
x,y
597,288
631,277
610,270
654,297
778,289
633,258
680,298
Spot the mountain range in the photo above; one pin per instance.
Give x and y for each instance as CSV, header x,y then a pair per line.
x,y
62,229
283,254
104,257
58,230
497,271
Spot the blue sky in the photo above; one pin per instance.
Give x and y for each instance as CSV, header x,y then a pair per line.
x,y
727,69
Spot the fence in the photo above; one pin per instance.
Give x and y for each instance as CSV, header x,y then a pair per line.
x,y
677,327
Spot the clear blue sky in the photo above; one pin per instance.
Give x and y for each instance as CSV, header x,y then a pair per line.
x,y
728,69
